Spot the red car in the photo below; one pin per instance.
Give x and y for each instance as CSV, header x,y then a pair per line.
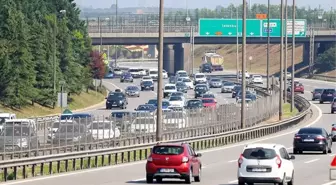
x,y
173,161
209,102
299,88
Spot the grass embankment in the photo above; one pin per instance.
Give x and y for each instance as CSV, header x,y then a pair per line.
x,y
134,156
287,111
80,101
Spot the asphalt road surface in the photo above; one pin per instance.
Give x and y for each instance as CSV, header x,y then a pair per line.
x,y
220,164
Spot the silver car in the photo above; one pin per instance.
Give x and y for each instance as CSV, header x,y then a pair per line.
x,y
227,87
132,91
215,83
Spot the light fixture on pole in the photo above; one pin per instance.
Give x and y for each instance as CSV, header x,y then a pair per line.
x,y
237,47
160,69
281,59
268,45
286,48
243,102
293,55
115,46
250,62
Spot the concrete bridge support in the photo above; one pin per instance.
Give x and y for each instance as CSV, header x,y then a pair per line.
x,y
179,57
168,59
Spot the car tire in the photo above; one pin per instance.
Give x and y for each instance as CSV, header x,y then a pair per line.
x,y
142,89
283,182
321,102
198,177
291,182
241,182
188,179
295,151
152,89
332,112
325,150
330,150
159,180
149,179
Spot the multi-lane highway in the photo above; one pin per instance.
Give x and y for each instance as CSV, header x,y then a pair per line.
x,y
220,164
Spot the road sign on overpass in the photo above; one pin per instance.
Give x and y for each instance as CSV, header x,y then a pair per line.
x,y
254,27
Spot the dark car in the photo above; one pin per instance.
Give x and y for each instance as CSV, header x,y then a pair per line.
x,y
72,134
116,100
126,77
146,108
208,95
165,103
122,119
181,87
205,68
184,163
249,95
316,94
200,90
147,85
328,95
82,118
312,139
194,104
132,91
236,90
333,106
172,80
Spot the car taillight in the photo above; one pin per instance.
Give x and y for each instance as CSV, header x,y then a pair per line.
x,y
240,160
333,129
185,159
149,159
278,161
320,138
297,137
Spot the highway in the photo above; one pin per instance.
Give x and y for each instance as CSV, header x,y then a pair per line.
x,y
219,164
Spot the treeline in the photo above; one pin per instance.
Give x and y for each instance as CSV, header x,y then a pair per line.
x,y
42,42
326,61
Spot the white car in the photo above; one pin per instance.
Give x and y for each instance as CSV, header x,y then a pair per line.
x,y
142,72
103,130
143,125
4,117
265,163
176,101
168,89
175,120
189,83
164,74
257,79
153,73
146,78
134,72
200,77
55,126
117,71
179,72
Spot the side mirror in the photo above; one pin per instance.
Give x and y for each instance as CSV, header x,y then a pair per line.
x,y
198,155
135,109
292,157
105,98
312,92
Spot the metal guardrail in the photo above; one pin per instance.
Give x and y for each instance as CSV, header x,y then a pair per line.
x,y
180,125
324,78
47,165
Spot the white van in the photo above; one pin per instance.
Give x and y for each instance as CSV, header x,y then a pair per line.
x,y
154,74
28,122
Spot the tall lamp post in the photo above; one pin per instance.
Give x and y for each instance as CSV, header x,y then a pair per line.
x,y
286,48
160,68
293,56
243,103
237,47
115,46
281,59
268,45
62,12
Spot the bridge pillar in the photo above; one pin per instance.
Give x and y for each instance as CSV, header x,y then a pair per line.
x,y
168,59
179,57
152,51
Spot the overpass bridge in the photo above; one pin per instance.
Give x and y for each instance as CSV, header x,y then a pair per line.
x,y
177,39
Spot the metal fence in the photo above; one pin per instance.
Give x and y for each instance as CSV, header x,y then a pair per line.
x,y
29,139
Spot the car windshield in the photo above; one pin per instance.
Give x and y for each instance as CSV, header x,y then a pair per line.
x,y
15,131
170,87
140,121
183,75
165,103
115,96
119,114
199,76
153,72
318,90
147,83
310,131
200,87
71,129
208,101
208,96
186,80
237,88
152,102
116,69
215,80
194,103
2,120
228,84
180,84
100,125
132,88
180,79
259,153
256,76
168,150
177,94
175,98
145,107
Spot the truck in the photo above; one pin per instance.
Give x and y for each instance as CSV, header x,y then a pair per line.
x,y
215,60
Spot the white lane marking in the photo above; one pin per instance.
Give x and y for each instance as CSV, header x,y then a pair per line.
x,y
138,180
142,162
311,161
232,161
233,182
330,183
332,155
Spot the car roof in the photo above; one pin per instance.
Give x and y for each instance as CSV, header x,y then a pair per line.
x,y
264,145
172,144
199,74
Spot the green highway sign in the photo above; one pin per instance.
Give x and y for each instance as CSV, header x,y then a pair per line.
x,y
254,28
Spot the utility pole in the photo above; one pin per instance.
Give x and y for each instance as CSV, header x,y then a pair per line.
x,y
286,47
100,35
237,47
293,56
281,60
159,84
268,45
115,46
243,103
311,51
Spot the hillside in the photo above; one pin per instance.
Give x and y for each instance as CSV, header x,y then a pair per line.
x,y
258,53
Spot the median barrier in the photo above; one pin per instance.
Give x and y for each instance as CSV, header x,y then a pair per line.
x,y
58,163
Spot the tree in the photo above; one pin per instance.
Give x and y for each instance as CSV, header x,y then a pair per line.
x,y
97,65
326,60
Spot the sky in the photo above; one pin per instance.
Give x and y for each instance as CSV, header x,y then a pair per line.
x,y
327,4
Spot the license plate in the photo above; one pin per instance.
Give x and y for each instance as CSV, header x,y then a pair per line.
x,y
167,170
308,140
259,170
329,94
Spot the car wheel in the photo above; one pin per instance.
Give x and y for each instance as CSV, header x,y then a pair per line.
x,y
325,150
188,179
330,150
321,102
159,180
142,89
152,89
149,179
198,177
283,180
295,151
332,112
241,182
291,182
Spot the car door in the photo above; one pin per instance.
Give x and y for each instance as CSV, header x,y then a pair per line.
x,y
288,165
194,161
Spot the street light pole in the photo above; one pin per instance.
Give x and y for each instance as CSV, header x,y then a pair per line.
x,y
243,103
293,56
115,46
160,68
237,47
286,48
281,59
268,45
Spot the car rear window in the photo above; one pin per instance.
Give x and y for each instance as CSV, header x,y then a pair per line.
x,y
310,131
329,91
259,153
168,150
